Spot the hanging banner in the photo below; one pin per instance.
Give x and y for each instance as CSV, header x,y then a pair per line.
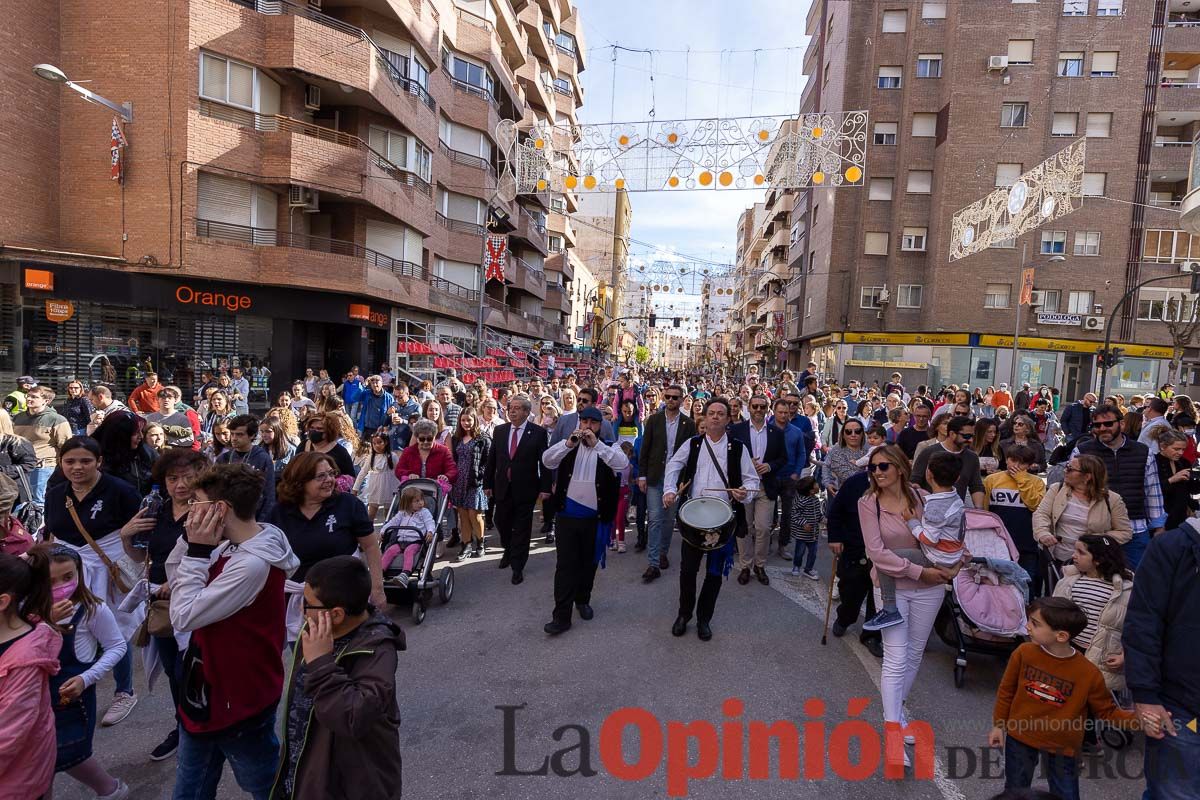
x,y
779,323
117,146
497,254
1027,286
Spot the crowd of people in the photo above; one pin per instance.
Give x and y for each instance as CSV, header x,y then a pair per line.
x,y
178,524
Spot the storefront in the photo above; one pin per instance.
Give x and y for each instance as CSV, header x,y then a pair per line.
x,y
110,326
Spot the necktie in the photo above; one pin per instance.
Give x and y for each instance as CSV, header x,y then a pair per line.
x,y
512,444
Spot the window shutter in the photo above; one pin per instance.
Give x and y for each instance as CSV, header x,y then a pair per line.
x,y
891,72
463,208
1064,124
385,238
1093,183
377,138
1104,61
924,125
241,85
1007,174
221,199
268,96
413,246
920,181
933,10
266,209
881,189
885,127
212,77
1099,125
1020,51
894,21
876,243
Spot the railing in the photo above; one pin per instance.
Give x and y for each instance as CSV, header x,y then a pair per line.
x,y
477,91
1184,23
496,305
564,90
459,157
1174,85
534,274
268,237
1172,144
567,51
1166,203
453,289
458,225
402,81
555,331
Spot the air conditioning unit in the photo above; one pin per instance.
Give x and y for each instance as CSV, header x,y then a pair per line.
x,y
1190,266
1093,323
312,97
303,198
997,62
1037,298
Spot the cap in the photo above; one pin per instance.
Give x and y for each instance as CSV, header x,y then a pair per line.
x,y
26,379
591,412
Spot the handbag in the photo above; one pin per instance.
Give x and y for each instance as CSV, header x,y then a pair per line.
x,y
158,617
124,573
740,528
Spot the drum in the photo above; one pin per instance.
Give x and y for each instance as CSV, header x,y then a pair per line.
x,y
706,522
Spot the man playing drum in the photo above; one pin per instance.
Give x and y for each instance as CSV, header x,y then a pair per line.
x,y
711,465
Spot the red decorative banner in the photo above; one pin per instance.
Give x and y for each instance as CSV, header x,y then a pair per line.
x,y
779,325
117,146
497,254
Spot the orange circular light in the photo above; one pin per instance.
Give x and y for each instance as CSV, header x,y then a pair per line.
x,y
818,132
541,185
759,180
571,182
818,177
726,178
672,137
539,143
673,181
619,183
854,174
706,178
589,182
764,135
624,140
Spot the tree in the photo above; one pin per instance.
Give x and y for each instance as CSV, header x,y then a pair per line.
x,y
1183,323
641,354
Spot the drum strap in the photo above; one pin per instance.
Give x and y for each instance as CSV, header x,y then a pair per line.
x,y
716,463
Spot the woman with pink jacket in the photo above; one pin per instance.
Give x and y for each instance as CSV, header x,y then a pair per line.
x,y
29,651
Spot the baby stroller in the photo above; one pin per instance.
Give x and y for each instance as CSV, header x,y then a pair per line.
x,y
984,610
418,584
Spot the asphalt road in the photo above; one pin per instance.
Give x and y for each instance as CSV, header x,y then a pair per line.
x,y
486,649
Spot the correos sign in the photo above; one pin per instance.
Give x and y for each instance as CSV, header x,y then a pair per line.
x,y
226,300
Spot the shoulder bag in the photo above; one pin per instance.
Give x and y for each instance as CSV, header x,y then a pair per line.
x,y
124,573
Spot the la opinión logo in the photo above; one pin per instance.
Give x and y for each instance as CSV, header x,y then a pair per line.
x,y
732,749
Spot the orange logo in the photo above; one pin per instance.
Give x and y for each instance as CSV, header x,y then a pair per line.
x,y
41,279
230,302
362,311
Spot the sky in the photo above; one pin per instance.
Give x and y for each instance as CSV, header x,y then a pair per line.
x,y
688,76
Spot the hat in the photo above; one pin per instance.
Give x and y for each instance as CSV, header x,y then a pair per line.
x,y
591,412
26,379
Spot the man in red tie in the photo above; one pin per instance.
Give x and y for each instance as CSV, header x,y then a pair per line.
x,y
515,478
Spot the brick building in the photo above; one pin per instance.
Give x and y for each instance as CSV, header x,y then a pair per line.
x,y
964,96
303,185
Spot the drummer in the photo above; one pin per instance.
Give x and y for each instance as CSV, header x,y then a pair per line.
x,y
587,488
731,478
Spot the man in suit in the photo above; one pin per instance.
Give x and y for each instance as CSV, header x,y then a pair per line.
x,y
662,435
769,454
515,478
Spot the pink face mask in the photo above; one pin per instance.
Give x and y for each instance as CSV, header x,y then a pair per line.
x,y
64,591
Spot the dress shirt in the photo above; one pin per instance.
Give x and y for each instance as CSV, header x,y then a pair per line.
x,y
672,431
758,441
582,488
707,481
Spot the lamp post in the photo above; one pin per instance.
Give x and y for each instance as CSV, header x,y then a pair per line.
x,y
49,72
1017,328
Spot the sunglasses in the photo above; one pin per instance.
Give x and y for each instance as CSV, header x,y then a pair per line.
x,y
882,466
672,397
853,431
966,437
313,607
424,438
757,407
1110,424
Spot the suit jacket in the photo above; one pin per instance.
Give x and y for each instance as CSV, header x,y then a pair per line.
x,y
653,455
522,478
775,457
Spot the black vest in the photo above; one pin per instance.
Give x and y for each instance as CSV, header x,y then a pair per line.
x,y
1126,471
733,462
608,485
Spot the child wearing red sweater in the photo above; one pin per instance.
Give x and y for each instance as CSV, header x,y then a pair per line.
x,y
1044,699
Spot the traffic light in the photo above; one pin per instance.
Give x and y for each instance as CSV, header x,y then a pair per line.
x,y
653,319
675,321
1116,356
1196,283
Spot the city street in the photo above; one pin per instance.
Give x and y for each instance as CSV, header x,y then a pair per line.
x,y
487,649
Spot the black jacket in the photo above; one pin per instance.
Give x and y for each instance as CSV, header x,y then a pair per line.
x,y
608,485
1162,662
1177,497
842,514
522,478
17,460
776,456
652,454
1076,420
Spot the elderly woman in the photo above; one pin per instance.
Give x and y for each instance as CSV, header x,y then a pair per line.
x,y
426,458
1079,505
1024,433
320,522
1174,473
839,462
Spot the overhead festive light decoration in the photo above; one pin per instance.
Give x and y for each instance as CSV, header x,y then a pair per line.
x,y
1052,189
715,153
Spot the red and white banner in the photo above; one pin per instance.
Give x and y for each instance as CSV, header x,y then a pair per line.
x,y
779,330
497,254
117,145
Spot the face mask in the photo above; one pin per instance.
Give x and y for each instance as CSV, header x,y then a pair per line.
x,y
1190,431
64,591
316,437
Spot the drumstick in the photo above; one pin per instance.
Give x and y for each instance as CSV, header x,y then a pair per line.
x,y
829,601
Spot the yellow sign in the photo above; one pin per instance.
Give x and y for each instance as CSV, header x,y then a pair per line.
x,y
1072,346
888,364
907,338
820,341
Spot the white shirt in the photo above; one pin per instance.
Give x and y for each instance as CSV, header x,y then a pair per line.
x,y
582,488
758,441
707,480
672,432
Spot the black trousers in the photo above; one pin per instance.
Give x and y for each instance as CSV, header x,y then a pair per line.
x,y
575,564
787,493
691,561
549,512
854,586
639,501
487,515
514,521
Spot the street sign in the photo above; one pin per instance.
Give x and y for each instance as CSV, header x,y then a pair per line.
x,y
1060,319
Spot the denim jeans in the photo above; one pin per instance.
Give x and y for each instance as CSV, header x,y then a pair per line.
x,y
802,548
38,477
1021,766
1135,548
1173,762
662,524
123,671
253,755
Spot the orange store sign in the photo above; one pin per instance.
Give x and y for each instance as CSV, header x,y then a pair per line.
x,y
227,300
40,279
59,310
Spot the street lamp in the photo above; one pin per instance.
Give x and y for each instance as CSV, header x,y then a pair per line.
x,y
1017,329
49,72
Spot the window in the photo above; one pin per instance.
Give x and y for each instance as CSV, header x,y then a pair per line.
x,y
1079,303
1153,307
812,260
1070,64
231,82
924,125
1054,243
920,181
996,295
390,144
1093,184
558,205
914,239
827,66
816,215
876,243
929,65
1110,8
1104,64
908,295
1013,115
236,210
1007,174
1099,125
1087,243
881,189
1004,244
889,77
1065,123
468,72
869,297
895,21
933,10
555,243
1050,300
885,133
1170,246
1075,8
797,230
1020,51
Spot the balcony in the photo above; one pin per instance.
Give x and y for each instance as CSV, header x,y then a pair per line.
x,y
538,93
782,210
1182,33
561,262
556,333
524,277
469,174
532,230
266,237
557,298
1172,159
476,37
1180,97
452,298
533,19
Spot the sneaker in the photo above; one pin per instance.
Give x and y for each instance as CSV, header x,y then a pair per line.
x,y
908,738
836,594
122,705
119,793
167,748
612,545
812,575
795,570
884,619
620,547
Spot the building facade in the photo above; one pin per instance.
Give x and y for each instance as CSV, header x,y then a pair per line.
x,y
302,187
961,103
602,228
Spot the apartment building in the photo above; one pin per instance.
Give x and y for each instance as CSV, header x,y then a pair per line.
x,y
601,231
303,185
716,302
963,97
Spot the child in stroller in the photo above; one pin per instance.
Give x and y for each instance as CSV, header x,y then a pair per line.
x,y
407,530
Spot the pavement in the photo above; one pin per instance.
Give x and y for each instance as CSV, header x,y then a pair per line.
x,y
489,701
